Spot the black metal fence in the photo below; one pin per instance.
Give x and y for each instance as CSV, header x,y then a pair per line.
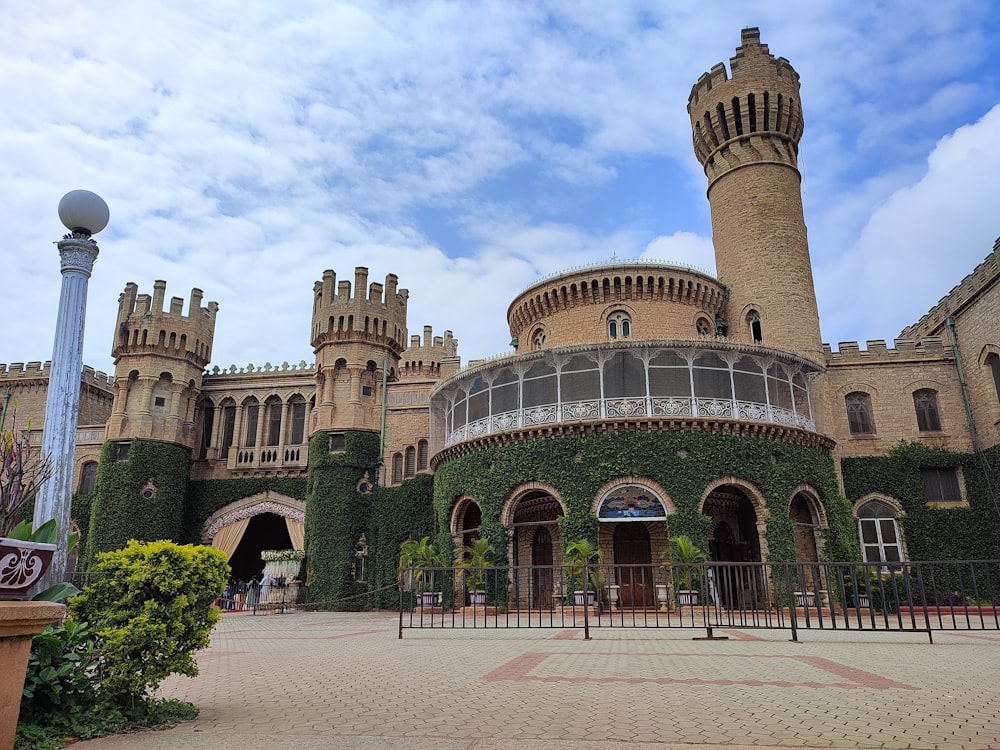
x,y
917,596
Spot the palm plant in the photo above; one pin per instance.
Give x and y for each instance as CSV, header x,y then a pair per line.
x,y
476,557
420,557
579,556
685,556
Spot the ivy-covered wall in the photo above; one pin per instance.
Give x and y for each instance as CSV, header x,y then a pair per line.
x,y
337,515
206,496
119,512
683,463
931,533
400,513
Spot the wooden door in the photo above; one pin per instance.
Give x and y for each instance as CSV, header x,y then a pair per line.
x,y
632,565
541,570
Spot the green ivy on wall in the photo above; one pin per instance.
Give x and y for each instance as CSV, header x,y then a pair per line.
x,y
119,512
400,513
931,533
337,515
683,463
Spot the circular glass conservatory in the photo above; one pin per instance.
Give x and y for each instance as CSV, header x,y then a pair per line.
x,y
670,380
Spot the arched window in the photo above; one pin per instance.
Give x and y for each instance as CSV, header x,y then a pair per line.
x,y
273,415
859,413
411,461
228,428
756,329
993,360
397,468
297,429
88,478
421,455
252,410
538,339
703,326
879,532
925,403
619,325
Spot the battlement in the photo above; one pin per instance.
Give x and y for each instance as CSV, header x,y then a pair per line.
x,y
35,370
732,117
928,348
424,358
370,312
982,275
267,369
144,326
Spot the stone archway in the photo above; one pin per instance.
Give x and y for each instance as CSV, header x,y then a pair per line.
x,y
735,537
531,518
267,520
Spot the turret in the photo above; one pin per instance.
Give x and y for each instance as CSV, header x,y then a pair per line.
x,y
746,130
159,359
357,334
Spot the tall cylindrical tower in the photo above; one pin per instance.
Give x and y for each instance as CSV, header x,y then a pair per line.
x,y
746,132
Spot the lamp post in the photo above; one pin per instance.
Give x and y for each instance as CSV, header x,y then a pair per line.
x,y
84,214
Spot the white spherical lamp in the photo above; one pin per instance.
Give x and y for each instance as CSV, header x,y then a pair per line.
x,y
83,211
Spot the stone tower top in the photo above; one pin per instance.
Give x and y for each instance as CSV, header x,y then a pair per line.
x,y
144,327
376,314
755,115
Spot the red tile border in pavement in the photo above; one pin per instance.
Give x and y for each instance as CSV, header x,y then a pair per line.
x,y
519,669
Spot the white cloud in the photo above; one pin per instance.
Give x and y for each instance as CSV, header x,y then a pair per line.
x,y
246,147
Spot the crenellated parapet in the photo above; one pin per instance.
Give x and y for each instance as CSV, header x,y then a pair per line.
x,y
41,370
904,350
430,357
982,276
144,327
266,370
373,313
753,117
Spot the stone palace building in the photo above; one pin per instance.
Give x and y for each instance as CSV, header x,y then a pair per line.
x,y
642,401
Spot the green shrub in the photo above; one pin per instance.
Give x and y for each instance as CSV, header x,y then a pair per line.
x,y
150,613
62,673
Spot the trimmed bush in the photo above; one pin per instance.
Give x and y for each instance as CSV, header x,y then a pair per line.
x,y
150,613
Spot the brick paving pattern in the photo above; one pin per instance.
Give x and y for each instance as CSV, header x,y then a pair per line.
x,y
343,680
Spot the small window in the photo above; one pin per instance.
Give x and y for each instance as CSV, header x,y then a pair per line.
x,y
421,455
360,553
538,339
250,439
160,401
879,532
338,443
756,329
366,390
703,326
993,360
411,461
925,403
859,413
942,486
298,422
121,453
619,326
88,478
397,468
228,428
273,422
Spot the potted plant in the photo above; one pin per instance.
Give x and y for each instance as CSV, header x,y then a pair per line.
x,y
579,557
685,557
476,557
417,563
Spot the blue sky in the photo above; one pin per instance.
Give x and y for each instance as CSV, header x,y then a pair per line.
x,y
470,148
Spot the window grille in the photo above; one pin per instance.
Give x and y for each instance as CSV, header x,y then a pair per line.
x,y
859,416
925,403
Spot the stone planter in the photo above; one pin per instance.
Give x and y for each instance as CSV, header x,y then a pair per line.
x,y
581,598
429,599
22,565
19,621
805,598
477,598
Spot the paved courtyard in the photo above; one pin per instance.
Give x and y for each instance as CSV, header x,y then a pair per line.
x,y
343,680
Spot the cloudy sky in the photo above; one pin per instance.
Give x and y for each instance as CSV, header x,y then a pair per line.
x,y
471,147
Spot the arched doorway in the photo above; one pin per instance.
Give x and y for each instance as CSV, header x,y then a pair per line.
x,y
534,532
265,531
734,539
633,570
